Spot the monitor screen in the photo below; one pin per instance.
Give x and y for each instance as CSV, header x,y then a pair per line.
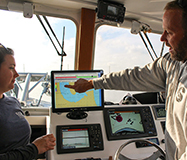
x,y
111,10
159,111
129,122
75,138
66,100
79,138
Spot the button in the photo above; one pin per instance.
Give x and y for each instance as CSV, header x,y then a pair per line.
x,y
163,140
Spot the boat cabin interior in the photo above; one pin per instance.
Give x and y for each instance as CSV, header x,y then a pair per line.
x,y
93,128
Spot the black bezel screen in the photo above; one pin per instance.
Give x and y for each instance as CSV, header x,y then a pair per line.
x,y
66,100
79,138
128,122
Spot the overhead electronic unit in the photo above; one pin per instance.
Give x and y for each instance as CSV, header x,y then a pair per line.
x,y
110,11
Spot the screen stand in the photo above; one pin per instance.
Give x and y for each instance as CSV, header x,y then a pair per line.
x,y
76,114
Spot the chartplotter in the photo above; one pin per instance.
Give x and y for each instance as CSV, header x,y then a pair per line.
x,y
58,42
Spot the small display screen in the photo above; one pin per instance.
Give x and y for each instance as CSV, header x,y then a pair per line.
x,y
78,138
75,138
126,122
112,10
160,111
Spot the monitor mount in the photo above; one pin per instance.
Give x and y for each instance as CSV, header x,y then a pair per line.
x,y
76,114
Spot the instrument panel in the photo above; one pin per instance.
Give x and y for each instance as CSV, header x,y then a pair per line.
x,y
130,116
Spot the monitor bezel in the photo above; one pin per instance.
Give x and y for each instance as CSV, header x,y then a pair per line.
x,y
89,128
108,128
74,109
155,111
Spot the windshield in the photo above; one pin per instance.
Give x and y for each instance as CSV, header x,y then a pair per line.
x,y
117,49
35,53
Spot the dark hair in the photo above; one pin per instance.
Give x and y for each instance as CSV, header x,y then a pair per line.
x,y
3,52
180,5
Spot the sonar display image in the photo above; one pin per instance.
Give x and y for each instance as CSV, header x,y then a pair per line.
x,y
69,98
75,138
126,122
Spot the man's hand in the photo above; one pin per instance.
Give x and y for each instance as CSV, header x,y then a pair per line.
x,y
81,85
45,143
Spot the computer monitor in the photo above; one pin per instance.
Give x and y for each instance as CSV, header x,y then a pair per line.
x,y
79,138
67,100
126,122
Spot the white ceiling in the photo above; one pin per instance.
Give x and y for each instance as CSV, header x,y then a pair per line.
x,y
146,11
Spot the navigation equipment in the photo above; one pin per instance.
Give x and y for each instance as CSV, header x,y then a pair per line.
x,y
159,111
110,11
129,122
79,138
67,100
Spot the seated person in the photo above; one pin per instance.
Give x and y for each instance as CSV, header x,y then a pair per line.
x,y
15,131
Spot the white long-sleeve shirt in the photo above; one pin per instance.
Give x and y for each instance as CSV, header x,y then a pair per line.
x,y
164,74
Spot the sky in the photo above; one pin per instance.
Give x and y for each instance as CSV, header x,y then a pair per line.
x,y
115,48
33,49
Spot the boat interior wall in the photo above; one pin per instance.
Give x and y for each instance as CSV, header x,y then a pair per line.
x,y
146,11
86,39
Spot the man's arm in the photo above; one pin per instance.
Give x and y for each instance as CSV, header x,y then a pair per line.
x,y
151,77
81,85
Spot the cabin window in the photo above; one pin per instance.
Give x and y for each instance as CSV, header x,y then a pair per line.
x,y
34,52
117,49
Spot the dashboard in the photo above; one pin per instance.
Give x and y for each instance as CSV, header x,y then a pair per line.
x,y
102,132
